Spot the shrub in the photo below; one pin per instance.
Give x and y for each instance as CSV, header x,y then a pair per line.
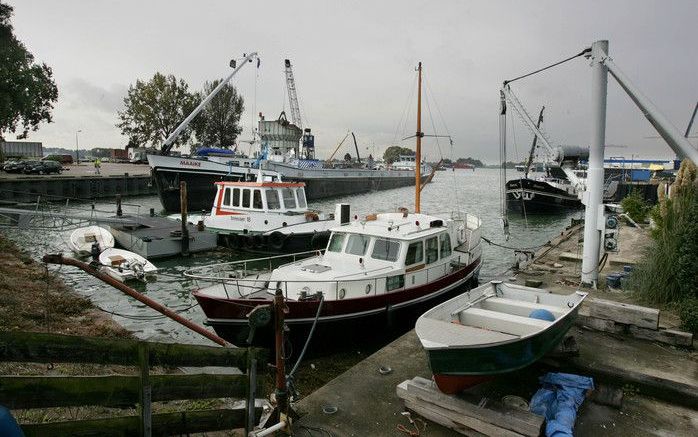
x,y
688,310
635,206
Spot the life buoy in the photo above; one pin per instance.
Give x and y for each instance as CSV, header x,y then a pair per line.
x,y
319,240
277,240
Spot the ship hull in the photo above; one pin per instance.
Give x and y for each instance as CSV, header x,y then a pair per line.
x,y
529,196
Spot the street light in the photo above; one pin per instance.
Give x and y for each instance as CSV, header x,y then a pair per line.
x,y
77,154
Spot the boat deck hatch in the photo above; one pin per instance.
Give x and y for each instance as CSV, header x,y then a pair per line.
x,y
316,268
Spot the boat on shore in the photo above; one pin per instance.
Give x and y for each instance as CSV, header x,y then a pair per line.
x,y
493,329
123,265
82,239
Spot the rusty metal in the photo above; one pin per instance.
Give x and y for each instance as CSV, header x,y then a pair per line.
x,y
59,259
280,311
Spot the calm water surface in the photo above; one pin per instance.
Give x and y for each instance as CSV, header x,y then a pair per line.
x,y
474,192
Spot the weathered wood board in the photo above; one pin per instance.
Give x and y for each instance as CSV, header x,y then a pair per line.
x,y
625,313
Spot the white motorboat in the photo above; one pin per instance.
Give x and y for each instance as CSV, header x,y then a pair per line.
x,y
82,239
123,265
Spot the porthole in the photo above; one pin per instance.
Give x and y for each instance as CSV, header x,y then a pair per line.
x,y
368,288
342,293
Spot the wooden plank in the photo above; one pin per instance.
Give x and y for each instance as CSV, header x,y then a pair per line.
x,y
600,324
177,423
668,336
145,390
504,417
54,348
623,313
114,391
569,256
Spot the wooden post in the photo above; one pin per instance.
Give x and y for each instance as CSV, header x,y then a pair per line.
x,y
119,212
144,364
418,157
183,209
251,391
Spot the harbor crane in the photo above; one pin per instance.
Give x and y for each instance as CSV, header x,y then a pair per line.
x,y
308,139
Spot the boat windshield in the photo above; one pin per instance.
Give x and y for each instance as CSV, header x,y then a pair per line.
x,y
357,244
385,250
301,198
336,242
273,199
289,198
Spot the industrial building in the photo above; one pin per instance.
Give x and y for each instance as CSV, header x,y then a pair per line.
x,y
21,149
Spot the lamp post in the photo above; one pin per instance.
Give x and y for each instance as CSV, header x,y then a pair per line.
x,y
77,154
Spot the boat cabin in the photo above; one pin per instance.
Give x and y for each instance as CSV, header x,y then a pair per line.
x,y
268,197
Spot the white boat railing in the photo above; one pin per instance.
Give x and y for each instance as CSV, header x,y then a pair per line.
x,y
237,286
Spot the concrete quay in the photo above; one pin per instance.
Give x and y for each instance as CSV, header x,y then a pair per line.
x,y
77,181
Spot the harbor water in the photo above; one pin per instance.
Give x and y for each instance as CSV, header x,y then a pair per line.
x,y
474,192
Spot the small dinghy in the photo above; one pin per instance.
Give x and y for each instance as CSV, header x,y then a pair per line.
x,y
82,239
493,329
123,265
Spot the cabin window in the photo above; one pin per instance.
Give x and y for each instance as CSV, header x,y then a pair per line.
x,y
445,241
257,199
226,197
245,198
301,198
415,253
394,282
236,197
357,244
336,242
432,249
273,199
289,198
385,250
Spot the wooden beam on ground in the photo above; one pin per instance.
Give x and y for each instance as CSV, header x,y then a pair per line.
x,y
619,312
114,391
179,423
492,419
53,348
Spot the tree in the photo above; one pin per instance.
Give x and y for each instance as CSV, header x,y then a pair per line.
x,y
218,124
155,108
27,90
393,153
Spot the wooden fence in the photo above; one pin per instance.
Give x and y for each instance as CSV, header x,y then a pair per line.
x,y
27,392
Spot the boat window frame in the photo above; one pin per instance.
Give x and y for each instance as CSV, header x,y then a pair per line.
x,y
426,249
227,196
421,257
349,240
236,197
271,205
389,241
300,194
390,285
246,200
441,245
257,196
292,197
343,236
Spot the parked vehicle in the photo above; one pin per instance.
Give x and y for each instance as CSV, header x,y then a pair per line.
x,y
15,166
63,159
43,167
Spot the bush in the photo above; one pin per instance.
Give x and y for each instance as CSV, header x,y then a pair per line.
x,y
635,206
688,310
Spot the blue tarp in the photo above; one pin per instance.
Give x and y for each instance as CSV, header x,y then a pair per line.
x,y
206,151
558,400
8,424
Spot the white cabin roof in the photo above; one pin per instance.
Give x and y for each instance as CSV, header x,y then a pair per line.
x,y
395,225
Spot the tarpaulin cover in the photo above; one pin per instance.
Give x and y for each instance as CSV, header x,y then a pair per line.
x,y
558,400
8,425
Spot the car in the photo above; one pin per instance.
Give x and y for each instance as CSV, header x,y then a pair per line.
x,y
15,167
43,167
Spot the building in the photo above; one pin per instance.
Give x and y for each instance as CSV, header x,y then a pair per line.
x,y
21,149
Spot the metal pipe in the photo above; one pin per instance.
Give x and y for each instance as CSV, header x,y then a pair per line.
x,y
268,431
418,151
593,196
280,311
59,259
183,211
170,139
678,143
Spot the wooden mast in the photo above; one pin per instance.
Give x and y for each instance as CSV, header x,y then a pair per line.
x,y
418,157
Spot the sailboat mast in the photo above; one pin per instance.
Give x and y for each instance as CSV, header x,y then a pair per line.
x,y
418,157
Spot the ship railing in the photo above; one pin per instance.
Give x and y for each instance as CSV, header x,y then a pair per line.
x,y
246,287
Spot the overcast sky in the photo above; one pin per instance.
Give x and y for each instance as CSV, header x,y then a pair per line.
x,y
354,64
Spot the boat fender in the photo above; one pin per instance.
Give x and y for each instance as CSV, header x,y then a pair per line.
x,y
232,241
277,240
257,240
542,314
248,241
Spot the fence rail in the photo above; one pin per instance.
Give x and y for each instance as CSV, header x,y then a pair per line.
x,y
28,392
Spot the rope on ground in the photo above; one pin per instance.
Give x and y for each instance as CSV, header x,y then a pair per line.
x,y
513,248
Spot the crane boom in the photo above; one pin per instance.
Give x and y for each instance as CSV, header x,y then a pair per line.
x,y
292,97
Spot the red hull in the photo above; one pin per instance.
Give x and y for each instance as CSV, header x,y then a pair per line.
x,y
451,384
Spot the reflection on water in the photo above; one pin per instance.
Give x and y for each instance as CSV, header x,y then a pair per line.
x,y
472,192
